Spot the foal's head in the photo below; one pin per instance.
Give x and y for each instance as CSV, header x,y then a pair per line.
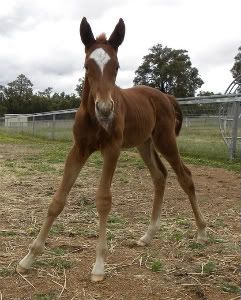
x,y
101,64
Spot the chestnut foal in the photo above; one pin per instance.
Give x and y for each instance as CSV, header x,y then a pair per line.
x,y
110,118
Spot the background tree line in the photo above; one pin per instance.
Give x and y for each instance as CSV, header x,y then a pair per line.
x,y
18,97
166,69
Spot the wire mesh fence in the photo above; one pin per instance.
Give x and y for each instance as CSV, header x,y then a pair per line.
x,y
211,126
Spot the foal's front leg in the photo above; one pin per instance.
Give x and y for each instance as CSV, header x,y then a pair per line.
x,y
103,205
74,162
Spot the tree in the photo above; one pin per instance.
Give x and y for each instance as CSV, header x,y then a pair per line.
x,y
3,108
46,93
236,69
205,93
21,88
80,86
18,93
170,71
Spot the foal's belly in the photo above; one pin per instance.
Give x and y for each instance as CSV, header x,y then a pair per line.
x,y
136,132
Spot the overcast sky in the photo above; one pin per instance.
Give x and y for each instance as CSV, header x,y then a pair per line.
x,y
40,38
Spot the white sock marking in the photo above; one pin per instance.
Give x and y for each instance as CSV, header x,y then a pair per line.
x,y
100,57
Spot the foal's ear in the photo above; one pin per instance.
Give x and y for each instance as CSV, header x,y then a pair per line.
x,y
86,34
117,35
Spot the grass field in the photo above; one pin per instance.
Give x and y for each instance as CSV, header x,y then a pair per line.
x,y
198,144
204,145
173,267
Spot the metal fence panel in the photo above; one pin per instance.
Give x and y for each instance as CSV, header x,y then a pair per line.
x,y
212,123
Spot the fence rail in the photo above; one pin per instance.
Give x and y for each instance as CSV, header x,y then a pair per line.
x,y
211,122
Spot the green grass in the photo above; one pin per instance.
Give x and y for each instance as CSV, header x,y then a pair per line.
x,y
4,272
209,267
56,229
58,251
200,147
196,246
177,236
204,146
49,296
230,288
7,233
156,266
57,263
115,219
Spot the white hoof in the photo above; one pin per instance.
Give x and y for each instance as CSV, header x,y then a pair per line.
x,y
143,241
97,278
202,237
21,270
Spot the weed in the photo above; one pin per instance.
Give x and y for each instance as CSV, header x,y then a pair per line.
x,y
177,236
209,267
194,246
58,251
86,202
230,288
124,179
156,266
214,240
56,229
50,296
115,219
220,223
110,236
183,222
96,160
57,263
7,233
4,272
32,231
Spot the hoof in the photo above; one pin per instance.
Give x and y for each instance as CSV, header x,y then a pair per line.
x,y
21,270
97,278
202,238
141,243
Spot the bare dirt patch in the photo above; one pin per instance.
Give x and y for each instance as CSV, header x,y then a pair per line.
x,y
173,267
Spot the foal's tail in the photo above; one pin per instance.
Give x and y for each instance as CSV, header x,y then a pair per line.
x,y
178,112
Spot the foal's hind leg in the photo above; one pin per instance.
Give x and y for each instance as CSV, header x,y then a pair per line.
x,y
158,174
168,147
73,165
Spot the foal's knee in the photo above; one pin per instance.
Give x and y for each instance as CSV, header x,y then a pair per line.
x,y
186,181
103,202
56,206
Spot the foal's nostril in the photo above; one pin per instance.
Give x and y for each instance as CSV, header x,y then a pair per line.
x,y
112,106
97,105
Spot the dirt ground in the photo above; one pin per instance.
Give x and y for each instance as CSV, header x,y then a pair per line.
x,y
173,267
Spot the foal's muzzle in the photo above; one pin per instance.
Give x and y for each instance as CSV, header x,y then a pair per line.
x,y
104,109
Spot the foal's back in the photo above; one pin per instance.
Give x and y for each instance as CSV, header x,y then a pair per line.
x,y
145,110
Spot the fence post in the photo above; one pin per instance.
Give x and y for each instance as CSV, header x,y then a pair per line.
x,y
53,127
233,144
33,125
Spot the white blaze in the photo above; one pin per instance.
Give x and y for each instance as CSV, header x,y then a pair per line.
x,y
100,57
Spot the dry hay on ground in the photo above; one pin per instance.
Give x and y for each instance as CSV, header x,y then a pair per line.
x,y
172,267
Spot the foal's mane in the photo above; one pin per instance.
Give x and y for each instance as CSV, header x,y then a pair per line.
x,y
101,38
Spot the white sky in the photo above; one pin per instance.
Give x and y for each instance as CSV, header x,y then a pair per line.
x,y
40,38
